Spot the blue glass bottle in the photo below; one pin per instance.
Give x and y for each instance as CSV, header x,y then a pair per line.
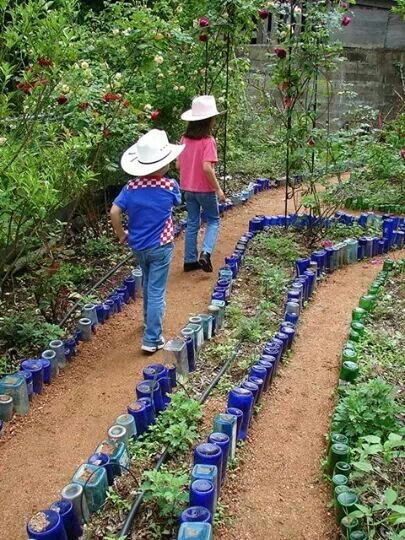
x,y
150,410
290,333
206,472
269,363
260,371
195,531
138,410
301,265
46,525
202,493
51,356
46,368
260,383
252,387
74,493
35,366
151,389
209,454
194,514
242,399
223,441
69,519
102,460
130,284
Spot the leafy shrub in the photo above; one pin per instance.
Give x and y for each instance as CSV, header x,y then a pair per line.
x,y
368,408
26,331
100,247
167,490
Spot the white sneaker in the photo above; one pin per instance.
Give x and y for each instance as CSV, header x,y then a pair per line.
x,y
154,348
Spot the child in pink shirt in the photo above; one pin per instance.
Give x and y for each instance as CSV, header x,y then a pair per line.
x,y
199,182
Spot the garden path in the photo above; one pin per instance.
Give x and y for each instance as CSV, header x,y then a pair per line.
x,y
280,488
66,423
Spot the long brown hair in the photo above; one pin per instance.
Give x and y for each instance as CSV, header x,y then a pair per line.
x,y
200,129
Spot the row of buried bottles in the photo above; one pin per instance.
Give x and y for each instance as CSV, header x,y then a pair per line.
x,y
211,458
18,389
338,462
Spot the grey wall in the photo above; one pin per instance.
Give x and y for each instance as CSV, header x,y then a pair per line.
x,y
374,50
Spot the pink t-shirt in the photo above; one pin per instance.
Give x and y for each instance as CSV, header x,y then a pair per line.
x,y
192,176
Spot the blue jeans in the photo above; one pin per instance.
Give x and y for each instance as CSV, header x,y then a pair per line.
x,y
155,264
208,202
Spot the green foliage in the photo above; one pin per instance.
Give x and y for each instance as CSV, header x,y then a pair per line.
x,y
102,246
27,332
176,428
52,289
167,490
368,408
117,501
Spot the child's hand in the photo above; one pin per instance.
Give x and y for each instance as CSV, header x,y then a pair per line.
x,y
123,238
221,195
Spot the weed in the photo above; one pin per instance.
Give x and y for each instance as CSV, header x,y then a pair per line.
x,y
100,247
117,501
167,490
367,408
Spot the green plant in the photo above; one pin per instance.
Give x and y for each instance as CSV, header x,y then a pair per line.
x,y
372,445
27,332
368,408
176,429
167,490
100,247
117,501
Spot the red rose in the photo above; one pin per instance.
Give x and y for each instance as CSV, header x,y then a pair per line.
x,y
62,99
125,103
204,22
203,38
288,102
402,153
155,115
281,53
106,133
83,105
44,62
43,82
311,141
110,96
346,20
263,13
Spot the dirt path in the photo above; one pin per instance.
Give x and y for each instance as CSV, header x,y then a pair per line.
x,y
279,493
66,423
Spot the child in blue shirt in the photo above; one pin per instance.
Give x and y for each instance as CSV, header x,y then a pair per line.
x,y
148,199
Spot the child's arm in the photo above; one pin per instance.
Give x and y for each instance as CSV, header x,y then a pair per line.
x,y
176,194
115,215
209,170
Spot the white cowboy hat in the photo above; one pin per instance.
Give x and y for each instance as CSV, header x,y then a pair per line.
x,y
150,153
202,107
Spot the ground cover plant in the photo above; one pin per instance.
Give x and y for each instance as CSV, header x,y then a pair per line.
x,y
370,414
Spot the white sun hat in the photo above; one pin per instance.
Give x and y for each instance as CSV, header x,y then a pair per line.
x,y
150,153
202,107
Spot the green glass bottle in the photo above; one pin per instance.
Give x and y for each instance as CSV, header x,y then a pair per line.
x,y
348,525
358,314
367,302
359,328
354,336
338,452
358,535
374,288
349,371
346,503
349,355
339,480
388,265
342,467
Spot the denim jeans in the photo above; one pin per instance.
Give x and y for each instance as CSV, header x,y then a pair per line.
x,y
195,202
155,264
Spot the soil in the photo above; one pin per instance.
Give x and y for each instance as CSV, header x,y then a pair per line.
x,y
279,487
68,421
